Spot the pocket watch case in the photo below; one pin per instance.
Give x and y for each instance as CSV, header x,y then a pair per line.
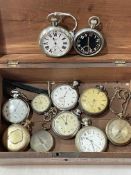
x,y
21,59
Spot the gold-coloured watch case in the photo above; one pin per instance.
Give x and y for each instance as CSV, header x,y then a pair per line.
x,y
98,113
38,112
108,135
18,145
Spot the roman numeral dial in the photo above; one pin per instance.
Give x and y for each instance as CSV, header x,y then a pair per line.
x,y
56,42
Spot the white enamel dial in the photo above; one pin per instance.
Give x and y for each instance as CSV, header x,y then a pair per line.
x,y
15,110
91,139
66,124
55,41
64,97
41,103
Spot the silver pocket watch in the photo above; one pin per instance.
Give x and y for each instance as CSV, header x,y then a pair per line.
x,y
56,41
90,138
16,109
66,124
65,96
42,141
89,41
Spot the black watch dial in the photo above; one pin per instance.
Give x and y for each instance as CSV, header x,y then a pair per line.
x,y
89,43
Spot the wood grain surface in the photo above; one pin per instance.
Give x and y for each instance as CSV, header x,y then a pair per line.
x,y
21,22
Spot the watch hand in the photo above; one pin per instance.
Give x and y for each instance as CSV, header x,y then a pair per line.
x,y
88,44
65,93
66,121
95,144
92,145
16,107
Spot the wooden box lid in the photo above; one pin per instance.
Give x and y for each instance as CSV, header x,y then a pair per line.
x,y
22,21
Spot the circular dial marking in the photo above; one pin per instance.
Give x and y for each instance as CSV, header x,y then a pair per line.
x,y
66,124
89,42
41,141
41,103
15,110
55,43
16,138
118,131
64,97
93,101
91,139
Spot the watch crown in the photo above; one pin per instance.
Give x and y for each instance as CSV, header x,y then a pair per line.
x,y
86,121
77,112
75,83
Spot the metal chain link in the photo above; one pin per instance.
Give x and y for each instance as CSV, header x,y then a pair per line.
x,y
124,95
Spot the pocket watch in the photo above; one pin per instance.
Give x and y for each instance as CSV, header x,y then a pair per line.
x,y
118,129
56,41
41,103
66,124
16,138
90,138
16,109
42,141
89,41
65,97
94,101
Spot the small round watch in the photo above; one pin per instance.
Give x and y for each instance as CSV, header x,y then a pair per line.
x,y
66,124
16,138
16,109
65,97
90,138
56,41
89,41
41,103
94,101
42,141
118,131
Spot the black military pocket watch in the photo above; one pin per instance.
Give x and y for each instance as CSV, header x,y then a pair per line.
x,y
89,41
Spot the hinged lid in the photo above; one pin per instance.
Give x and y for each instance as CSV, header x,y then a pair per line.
x,y
21,23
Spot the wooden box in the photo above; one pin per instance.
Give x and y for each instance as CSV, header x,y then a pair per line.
x,y
21,59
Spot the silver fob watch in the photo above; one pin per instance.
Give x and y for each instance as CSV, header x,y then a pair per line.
x,y
56,41
89,41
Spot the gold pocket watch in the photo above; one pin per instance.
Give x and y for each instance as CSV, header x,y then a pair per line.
x,y
90,138
66,124
16,109
16,138
89,41
41,103
56,41
94,101
118,130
